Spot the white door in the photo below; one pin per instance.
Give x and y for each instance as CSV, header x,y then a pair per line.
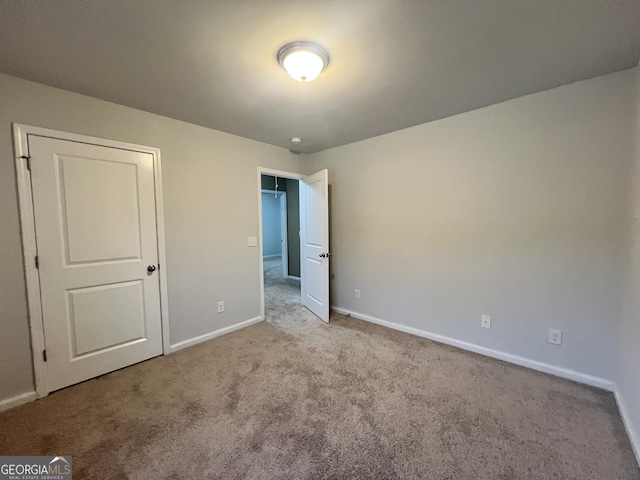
x,y
314,239
95,222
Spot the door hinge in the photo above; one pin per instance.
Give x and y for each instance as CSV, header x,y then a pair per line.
x,y
28,159
44,355
37,262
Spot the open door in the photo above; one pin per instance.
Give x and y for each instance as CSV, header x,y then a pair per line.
x,y
314,243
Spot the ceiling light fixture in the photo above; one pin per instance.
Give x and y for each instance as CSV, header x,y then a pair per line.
x,y
303,60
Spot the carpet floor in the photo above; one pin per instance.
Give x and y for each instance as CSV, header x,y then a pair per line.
x,y
293,397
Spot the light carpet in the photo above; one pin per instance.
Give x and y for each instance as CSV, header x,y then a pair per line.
x,y
293,397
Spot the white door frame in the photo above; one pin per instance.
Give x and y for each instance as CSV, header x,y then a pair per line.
x,y
284,240
29,249
281,174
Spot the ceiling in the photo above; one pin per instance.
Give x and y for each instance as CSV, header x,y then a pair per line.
x,y
394,63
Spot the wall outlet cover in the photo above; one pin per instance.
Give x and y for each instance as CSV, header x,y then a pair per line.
x,y
220,307
485,321
555,336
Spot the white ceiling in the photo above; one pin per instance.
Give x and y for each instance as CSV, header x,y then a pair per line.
x,y
394,63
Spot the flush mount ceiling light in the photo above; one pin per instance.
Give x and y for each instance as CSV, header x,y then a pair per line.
x,y
303,60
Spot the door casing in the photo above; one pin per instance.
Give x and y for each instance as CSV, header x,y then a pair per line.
x,y
27,224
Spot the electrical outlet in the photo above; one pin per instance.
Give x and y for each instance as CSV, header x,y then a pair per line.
x,y
220,307
252,241
357,293
485,321
555,336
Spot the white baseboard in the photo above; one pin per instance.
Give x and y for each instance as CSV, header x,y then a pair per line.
x,y
291,277
208,336
12,402
489,352
626,419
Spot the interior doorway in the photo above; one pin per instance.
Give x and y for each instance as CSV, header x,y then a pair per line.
x,y
280,244
93,243
307,247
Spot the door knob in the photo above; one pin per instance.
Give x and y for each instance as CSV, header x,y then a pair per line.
x,y
325,255
151,268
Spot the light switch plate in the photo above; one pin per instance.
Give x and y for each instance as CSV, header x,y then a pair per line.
x,y
485,321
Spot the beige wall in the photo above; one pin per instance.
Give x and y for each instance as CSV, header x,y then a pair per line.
x,y
517,210
204,173
628,372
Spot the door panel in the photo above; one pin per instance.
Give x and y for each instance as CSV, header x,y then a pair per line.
x,y
96,234
121,306
314,227
99,225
